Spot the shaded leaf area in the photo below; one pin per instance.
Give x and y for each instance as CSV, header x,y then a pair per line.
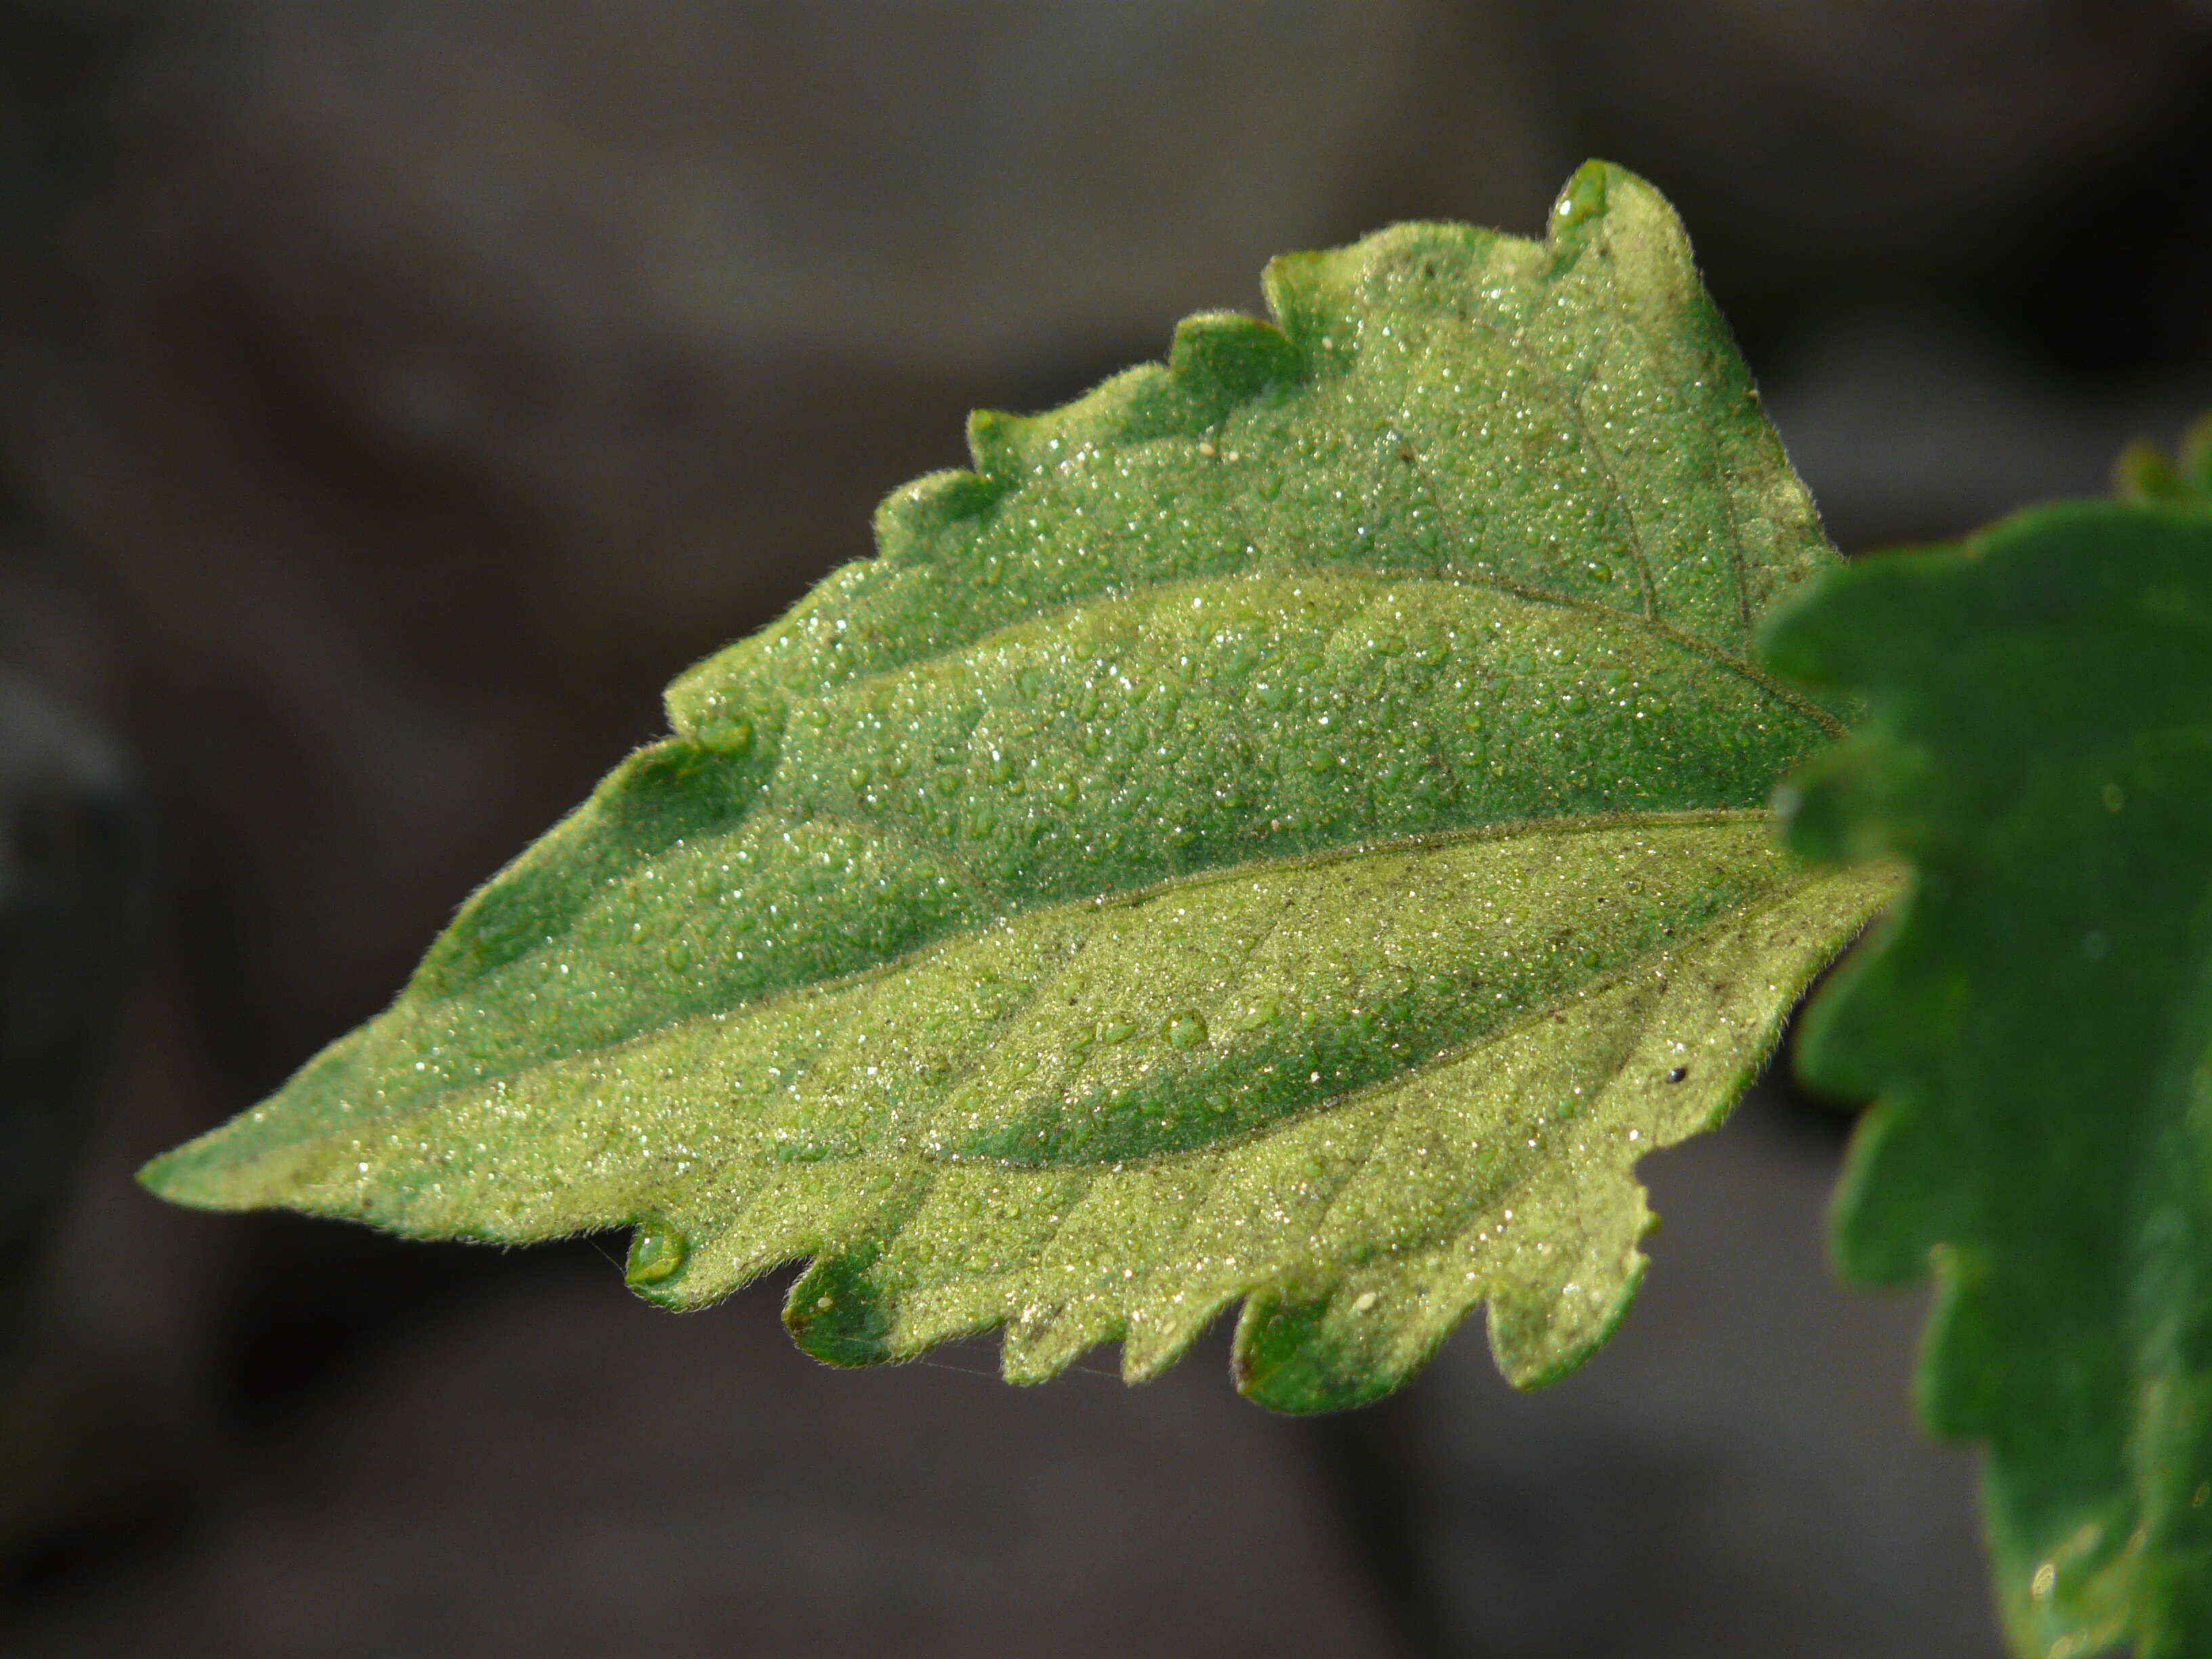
x,y
2036,1030
1460,553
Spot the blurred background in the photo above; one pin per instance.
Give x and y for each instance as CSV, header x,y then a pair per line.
x,y
394,394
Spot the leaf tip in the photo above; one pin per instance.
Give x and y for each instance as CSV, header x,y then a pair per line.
x,y
2140,473
1600,192
658,1256
1586,197
192,1176
1539,1337
1226,356
911,519
1296,1358
833,1314
159,1175
993,443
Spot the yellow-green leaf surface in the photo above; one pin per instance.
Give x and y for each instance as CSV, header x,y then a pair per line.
x,y
1287,827
2036,1028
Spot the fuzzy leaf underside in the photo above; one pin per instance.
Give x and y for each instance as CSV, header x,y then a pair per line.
x,y
2036,1029
1255,836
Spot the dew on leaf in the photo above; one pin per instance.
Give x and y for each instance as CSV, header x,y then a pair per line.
x,y
1185,1031
656,1255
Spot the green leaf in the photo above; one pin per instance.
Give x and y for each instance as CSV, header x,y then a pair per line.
x,y
1287,827
2037,1028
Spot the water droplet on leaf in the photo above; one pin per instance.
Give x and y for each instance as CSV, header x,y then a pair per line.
x,y
1186,1030
656,1255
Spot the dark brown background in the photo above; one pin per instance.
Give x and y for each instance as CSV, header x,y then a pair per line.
x,y
394,394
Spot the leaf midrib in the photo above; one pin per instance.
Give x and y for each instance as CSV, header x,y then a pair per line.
x,y
889,828
1627,969
1788,695
1435,840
